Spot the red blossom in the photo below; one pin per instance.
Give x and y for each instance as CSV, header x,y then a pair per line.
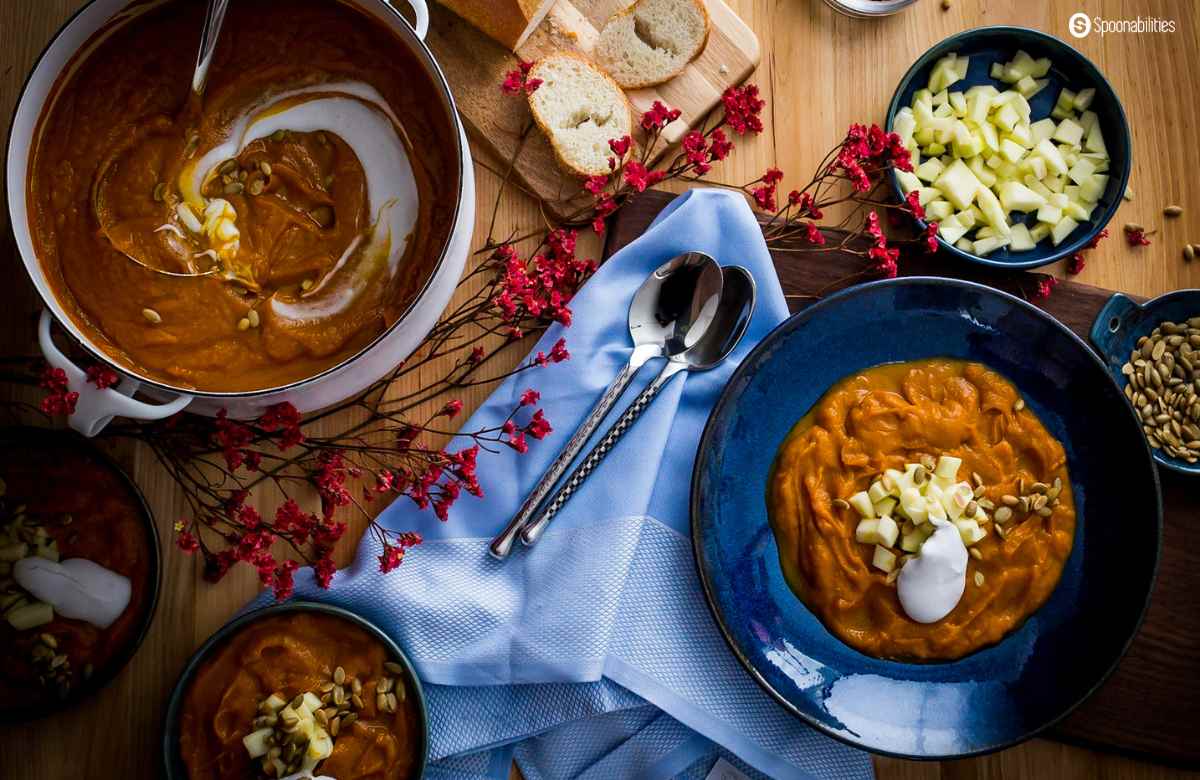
x,y
659,116
1044,288
913,199
187,542
452,408
284,419
639,177
518,81
719,146
742,109
1136,237
813,234
596,184
1076,264
232,437
620,146
1096,239
323,570
518,443
885,261
60,399
530,397
538,426
102,376
930,237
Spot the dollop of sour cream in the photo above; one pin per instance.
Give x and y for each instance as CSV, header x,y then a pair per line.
x,y
931,584
77,588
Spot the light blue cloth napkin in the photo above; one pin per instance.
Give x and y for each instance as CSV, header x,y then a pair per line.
x,y
592,654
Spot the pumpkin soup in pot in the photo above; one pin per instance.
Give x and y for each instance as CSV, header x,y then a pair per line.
x,y
262,233
922,511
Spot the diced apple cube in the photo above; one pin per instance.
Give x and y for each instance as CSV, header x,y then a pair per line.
x,y
1058,112
1021,240
884,559
1059,199
1055,183
927,195
950,229
938,210
1093,189
1007,117
1042,129
987,231
940,98
970,532
1095,140
1081,171
911,542
1049,214
1027,85
1087,119
989,204
997,71
877,492
887,531
256,742
959,184
1080,212
1084,99
913,504
1068,132
930,170
908,181
1041,67
981,171
1015,196
1023,63
966,218
1054,159
1012,151
986,246
867,531
943,111
1064,228
958,101
1038,166
886,506
1022,135
947,466
965,245
862,504
1066,100
1040,231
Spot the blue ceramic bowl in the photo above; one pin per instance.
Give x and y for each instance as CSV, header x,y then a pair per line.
x,y
1043,669
1119,326
1070,69
175,769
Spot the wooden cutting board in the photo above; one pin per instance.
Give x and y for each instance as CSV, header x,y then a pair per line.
x,y
1151,704
475,66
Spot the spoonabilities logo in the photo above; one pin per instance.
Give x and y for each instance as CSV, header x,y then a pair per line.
x,y
1079,25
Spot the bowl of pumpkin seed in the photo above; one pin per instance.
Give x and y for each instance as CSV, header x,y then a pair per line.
x,y
1152,349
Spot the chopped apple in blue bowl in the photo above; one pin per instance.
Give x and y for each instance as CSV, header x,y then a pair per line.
x,y
1020,147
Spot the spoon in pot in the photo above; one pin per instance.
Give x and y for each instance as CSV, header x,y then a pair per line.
x,y
729,324
669,313
214,17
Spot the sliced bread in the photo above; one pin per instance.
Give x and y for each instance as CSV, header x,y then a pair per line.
x,y
509,22
652,41
580,109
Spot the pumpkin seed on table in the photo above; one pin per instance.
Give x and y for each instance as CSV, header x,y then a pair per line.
x,y
1173,211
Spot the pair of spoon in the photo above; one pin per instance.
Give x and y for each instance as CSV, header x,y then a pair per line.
x,y
690,311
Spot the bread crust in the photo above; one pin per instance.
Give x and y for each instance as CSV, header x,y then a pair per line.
x,y
563,162
504,21
700,50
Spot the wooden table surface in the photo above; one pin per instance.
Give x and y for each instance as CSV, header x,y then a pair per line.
x,y
820,71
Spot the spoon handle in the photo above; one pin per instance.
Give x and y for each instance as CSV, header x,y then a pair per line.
x,y
214,17
533,531
502,544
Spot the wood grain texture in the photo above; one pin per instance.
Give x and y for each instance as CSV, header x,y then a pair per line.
x,y
820,71
475,65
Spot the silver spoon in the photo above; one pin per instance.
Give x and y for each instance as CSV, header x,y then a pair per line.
x,y
668,313
214,17
729,324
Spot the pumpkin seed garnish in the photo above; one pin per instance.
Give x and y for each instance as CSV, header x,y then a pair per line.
x,y
979,579
265,167
339,675
243,324
975,553
1019,405
160,192
152,316
253,317
393,667
234,188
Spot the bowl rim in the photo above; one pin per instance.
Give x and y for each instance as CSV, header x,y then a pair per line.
x,y
421,49
705,446
171,758
1144,308
154,577
1096,225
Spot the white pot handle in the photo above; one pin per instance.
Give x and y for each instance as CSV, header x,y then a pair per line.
x,y
96,406
422,12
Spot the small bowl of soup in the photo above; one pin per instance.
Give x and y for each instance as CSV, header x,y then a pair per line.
x,y
68,514
297,687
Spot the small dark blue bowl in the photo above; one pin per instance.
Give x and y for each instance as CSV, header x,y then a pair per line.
x,y
1070,69
1122,322
175,769
1045,667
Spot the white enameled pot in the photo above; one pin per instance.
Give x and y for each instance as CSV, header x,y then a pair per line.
x,y
96,407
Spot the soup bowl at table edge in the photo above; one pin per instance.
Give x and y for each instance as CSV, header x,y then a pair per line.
x,y
1119,326
1044,667
1069,69
173,762
96,407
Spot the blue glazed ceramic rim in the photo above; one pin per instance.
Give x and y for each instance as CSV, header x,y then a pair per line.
x,y
706,445
1098,80
173,766
1119,307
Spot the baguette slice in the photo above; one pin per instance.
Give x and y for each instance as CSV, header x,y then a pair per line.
x,y
510,22
652,41
580,109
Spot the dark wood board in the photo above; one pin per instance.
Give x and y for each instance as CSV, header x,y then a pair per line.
x,y
1151,705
